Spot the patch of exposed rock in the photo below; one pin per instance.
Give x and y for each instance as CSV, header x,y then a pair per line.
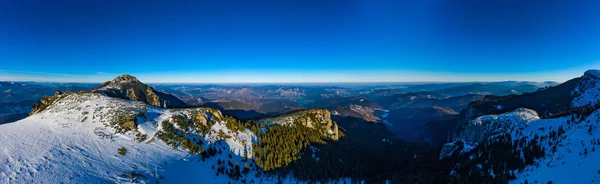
x,y
129,87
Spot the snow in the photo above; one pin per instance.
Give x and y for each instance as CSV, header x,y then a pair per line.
x,y
485,126
567,165
587,90
71,142
593,72
519,115
239,143
488,127
451,148
55,147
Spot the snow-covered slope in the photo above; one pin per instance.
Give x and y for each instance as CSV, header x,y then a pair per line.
x,y
484,127
587,91
87,138
568,146
575,159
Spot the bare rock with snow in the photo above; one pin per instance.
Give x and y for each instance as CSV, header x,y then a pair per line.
x,y
129,87
587,91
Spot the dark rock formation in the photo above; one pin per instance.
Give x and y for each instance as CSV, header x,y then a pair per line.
x,y
129,87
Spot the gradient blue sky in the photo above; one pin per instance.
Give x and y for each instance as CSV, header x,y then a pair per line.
x,y
298,41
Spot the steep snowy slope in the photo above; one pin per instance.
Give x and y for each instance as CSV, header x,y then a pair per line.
x,y
89,138
527,148
498,140
575,158
488,127
587,91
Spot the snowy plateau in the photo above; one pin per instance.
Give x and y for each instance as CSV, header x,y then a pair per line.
x,y
71,141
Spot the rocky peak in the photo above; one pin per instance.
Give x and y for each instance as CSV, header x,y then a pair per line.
x,y
129,87
592,73
587,91
125,78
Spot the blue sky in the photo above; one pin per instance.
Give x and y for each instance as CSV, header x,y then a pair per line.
x,y
298,41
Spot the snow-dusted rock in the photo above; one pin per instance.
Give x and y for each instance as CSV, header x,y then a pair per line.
x,y
456,147
485,126
587,91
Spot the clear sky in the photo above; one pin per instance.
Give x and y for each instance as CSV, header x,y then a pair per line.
x,y
298,41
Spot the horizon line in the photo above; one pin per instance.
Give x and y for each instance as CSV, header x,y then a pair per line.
x,y
294,77
308,82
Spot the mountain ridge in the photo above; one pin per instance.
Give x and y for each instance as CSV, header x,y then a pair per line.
x,y
91,126
129,87
539,136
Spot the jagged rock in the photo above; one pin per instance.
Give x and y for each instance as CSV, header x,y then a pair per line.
x,y
126,78
58,92
45,102
312,118
129,87
456,147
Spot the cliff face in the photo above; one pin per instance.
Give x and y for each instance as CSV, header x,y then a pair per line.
x,y
313,118
320,118
129,87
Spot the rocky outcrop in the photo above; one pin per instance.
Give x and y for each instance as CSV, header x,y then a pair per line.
x,y
125,78
456,147
129,87
587,91
486,126
313,118
321,119
46,101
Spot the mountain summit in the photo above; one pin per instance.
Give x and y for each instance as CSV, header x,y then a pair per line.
x,y
125,78
129,87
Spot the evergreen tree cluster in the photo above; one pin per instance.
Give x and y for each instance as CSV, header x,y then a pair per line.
x,y
228,168
496,161
281,144
362,155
